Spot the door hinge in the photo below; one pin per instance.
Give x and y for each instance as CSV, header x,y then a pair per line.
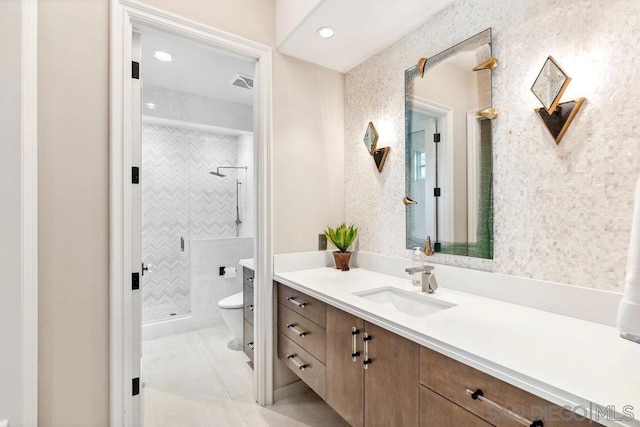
x,y
135,70
135,281
436,192
135,175
135,386
436,137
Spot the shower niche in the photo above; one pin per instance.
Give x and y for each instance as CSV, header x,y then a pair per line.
x,y
197,213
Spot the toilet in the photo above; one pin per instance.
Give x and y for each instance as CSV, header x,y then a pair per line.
x,y
231,310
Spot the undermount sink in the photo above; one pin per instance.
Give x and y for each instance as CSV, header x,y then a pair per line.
x,y
411,303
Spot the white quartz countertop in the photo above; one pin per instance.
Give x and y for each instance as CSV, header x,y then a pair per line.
x,y
567,361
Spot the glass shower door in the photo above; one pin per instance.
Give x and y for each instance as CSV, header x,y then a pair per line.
x,y
166,289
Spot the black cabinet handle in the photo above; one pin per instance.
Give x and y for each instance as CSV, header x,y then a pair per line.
x,y
479,396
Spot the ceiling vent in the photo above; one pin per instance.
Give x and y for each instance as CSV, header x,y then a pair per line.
x,y
242,80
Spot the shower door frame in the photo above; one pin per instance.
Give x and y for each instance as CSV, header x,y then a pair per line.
x,y
125,16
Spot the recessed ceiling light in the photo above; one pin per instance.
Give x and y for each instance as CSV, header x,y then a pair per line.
x,y
325,32
163,56
150,106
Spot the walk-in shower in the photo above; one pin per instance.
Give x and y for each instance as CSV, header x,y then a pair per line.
x,y
238,183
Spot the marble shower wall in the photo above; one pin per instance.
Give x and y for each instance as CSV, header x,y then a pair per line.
x,y
562,213
182,200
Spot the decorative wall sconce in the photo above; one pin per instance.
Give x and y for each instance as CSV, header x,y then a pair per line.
x,y
371,142
371,138
380,156
548,87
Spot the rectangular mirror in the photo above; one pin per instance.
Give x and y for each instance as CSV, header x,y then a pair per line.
x,y
449,164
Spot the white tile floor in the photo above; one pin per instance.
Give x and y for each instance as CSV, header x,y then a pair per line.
x,y
194,379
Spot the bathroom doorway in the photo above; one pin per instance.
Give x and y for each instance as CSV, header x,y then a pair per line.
x,y
197,221
125,227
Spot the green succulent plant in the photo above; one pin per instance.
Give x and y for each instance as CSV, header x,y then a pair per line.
x,y
342,236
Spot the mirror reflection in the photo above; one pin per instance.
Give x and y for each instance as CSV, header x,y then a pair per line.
x,y
449,151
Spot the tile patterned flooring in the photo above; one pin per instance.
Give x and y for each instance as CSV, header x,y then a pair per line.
x,y
194,379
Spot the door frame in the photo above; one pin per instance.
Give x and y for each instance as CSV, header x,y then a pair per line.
x,y
445,113
29,208
124,15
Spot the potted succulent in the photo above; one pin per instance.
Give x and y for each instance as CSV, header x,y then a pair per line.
x,y
342,237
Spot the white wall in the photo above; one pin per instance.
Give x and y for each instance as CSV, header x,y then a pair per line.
x,y
561,213
308,163
10,213
189,107
74,234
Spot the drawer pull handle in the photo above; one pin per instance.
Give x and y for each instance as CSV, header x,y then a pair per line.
x,y
300,366
250,307
367,361
293,301
250,279
300,333
479,395
250,345
354,346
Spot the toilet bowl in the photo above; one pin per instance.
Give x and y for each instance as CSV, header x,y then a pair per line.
x,y
231,310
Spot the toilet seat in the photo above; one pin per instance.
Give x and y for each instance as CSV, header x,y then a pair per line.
x,y
232,301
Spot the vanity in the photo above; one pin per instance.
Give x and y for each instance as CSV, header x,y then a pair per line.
x,y
457,359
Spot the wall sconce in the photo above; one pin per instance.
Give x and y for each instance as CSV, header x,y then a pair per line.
x,y
548,87
371,142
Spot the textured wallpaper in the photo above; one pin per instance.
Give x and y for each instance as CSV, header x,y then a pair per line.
x,y
562,213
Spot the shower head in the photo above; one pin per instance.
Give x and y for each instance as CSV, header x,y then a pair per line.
x,y
217,172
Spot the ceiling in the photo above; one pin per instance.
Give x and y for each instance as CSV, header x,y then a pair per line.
x,y
362,29
195,68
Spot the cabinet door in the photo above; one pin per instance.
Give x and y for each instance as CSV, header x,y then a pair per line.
x,y
391,384
345,377
436,411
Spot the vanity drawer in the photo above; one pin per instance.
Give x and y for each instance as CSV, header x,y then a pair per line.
x,y
452,379
308,368
437,411
303,304
302,331
248,339
248,303
247,276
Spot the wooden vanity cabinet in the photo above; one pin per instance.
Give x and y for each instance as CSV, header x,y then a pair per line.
x,y
247,308
379,387
373,377
451,379
301,336
437,411
345,373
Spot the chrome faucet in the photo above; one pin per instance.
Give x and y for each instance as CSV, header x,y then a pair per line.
x,y
429,283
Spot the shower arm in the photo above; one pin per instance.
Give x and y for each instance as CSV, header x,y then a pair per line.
x,y
217,172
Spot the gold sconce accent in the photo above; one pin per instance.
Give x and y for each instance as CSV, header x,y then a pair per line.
x,y
558,122
427,247
548,88
489,113
408,201
489,64
421,65
380,157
